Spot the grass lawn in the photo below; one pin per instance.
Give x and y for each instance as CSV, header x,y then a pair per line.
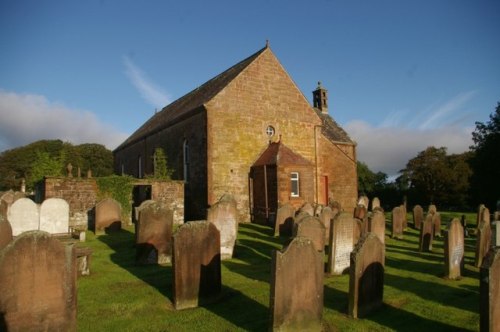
x,y
120,296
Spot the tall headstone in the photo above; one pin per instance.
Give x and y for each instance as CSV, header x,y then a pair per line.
x,y
154,234
196,264
23,216
364,200
38,284
397,223
366,276
296,301
341,243
326,216
54,216
483,240
432,209
418,216
5,233
454,249
307,208
284,220
480,213
107,216
313,229
224,215
426,234
436,222
377,225
375,203
489,292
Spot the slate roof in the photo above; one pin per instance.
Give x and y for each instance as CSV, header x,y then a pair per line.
x,y
332,130
190,102
279,154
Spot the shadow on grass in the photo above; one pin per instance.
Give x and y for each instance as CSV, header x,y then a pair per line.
x,y
335,299
123,244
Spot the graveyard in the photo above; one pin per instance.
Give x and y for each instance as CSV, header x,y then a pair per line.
x,y
417,294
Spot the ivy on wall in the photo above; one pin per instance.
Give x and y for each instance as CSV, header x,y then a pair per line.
x,y
118,187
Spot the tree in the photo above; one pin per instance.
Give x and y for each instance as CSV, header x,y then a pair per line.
x,y
160,164
43,166
485,180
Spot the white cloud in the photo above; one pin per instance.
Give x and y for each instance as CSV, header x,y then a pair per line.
x,y
25,118
151,93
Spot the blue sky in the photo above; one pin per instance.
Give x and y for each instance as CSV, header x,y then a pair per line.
x,y
401,75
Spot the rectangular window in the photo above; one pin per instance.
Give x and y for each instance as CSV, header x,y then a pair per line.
x,y
294,180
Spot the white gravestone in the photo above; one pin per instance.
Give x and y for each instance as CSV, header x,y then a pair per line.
x,y
23,216
54,216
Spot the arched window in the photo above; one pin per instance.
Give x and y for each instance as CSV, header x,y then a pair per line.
x,y
185,149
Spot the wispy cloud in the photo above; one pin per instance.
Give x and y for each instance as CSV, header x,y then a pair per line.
x,y
26,118
149,91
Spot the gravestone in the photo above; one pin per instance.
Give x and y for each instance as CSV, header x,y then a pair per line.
x,y
307,208
485,216
313,229
224,215
38,284
359,227
296,299
154,234
364,200
397,223
360,212
326,216
341,243
143,205
436,221
366,276
489,292
107,216
377,225
479,215
54,216
418,216
4,207
317,210
23,216
335,205
8,197
196,264
404,218
432,209
454,249
284,220
5,233
375,203
483,240
426,234
495,233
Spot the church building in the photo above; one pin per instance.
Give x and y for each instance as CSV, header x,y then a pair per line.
x,y
249,132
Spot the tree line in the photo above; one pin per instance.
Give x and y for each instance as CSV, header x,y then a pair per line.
x,y
452,181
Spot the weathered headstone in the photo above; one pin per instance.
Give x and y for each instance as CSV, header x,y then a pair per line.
x,y
54,216
154,234
23,216
107,216
375,203
359,228
479,215
83,255
341,243
489,292
483,240
360,212
377,224
38,284
5,233
307,208
485,216
8,197
436,221
426,234
364,200
418,216
366,276
143,205
432,209
284,220
196,264
296,301
317,210
313,229
397,223
224,215
335,205
326,216
454,249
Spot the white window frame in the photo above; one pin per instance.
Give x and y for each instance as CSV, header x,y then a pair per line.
x,y
294,178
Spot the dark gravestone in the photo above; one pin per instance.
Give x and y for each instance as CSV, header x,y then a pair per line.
x,y
436,222
296,301
5,233
224,215
341,243
483,240
196,264
326,216
454,249
284,220
397,223
489,292
38,284
313,229
154,234
366,276
107,216
377,224
426,234
418,216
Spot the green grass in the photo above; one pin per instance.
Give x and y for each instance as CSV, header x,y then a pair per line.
x,y
120,296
